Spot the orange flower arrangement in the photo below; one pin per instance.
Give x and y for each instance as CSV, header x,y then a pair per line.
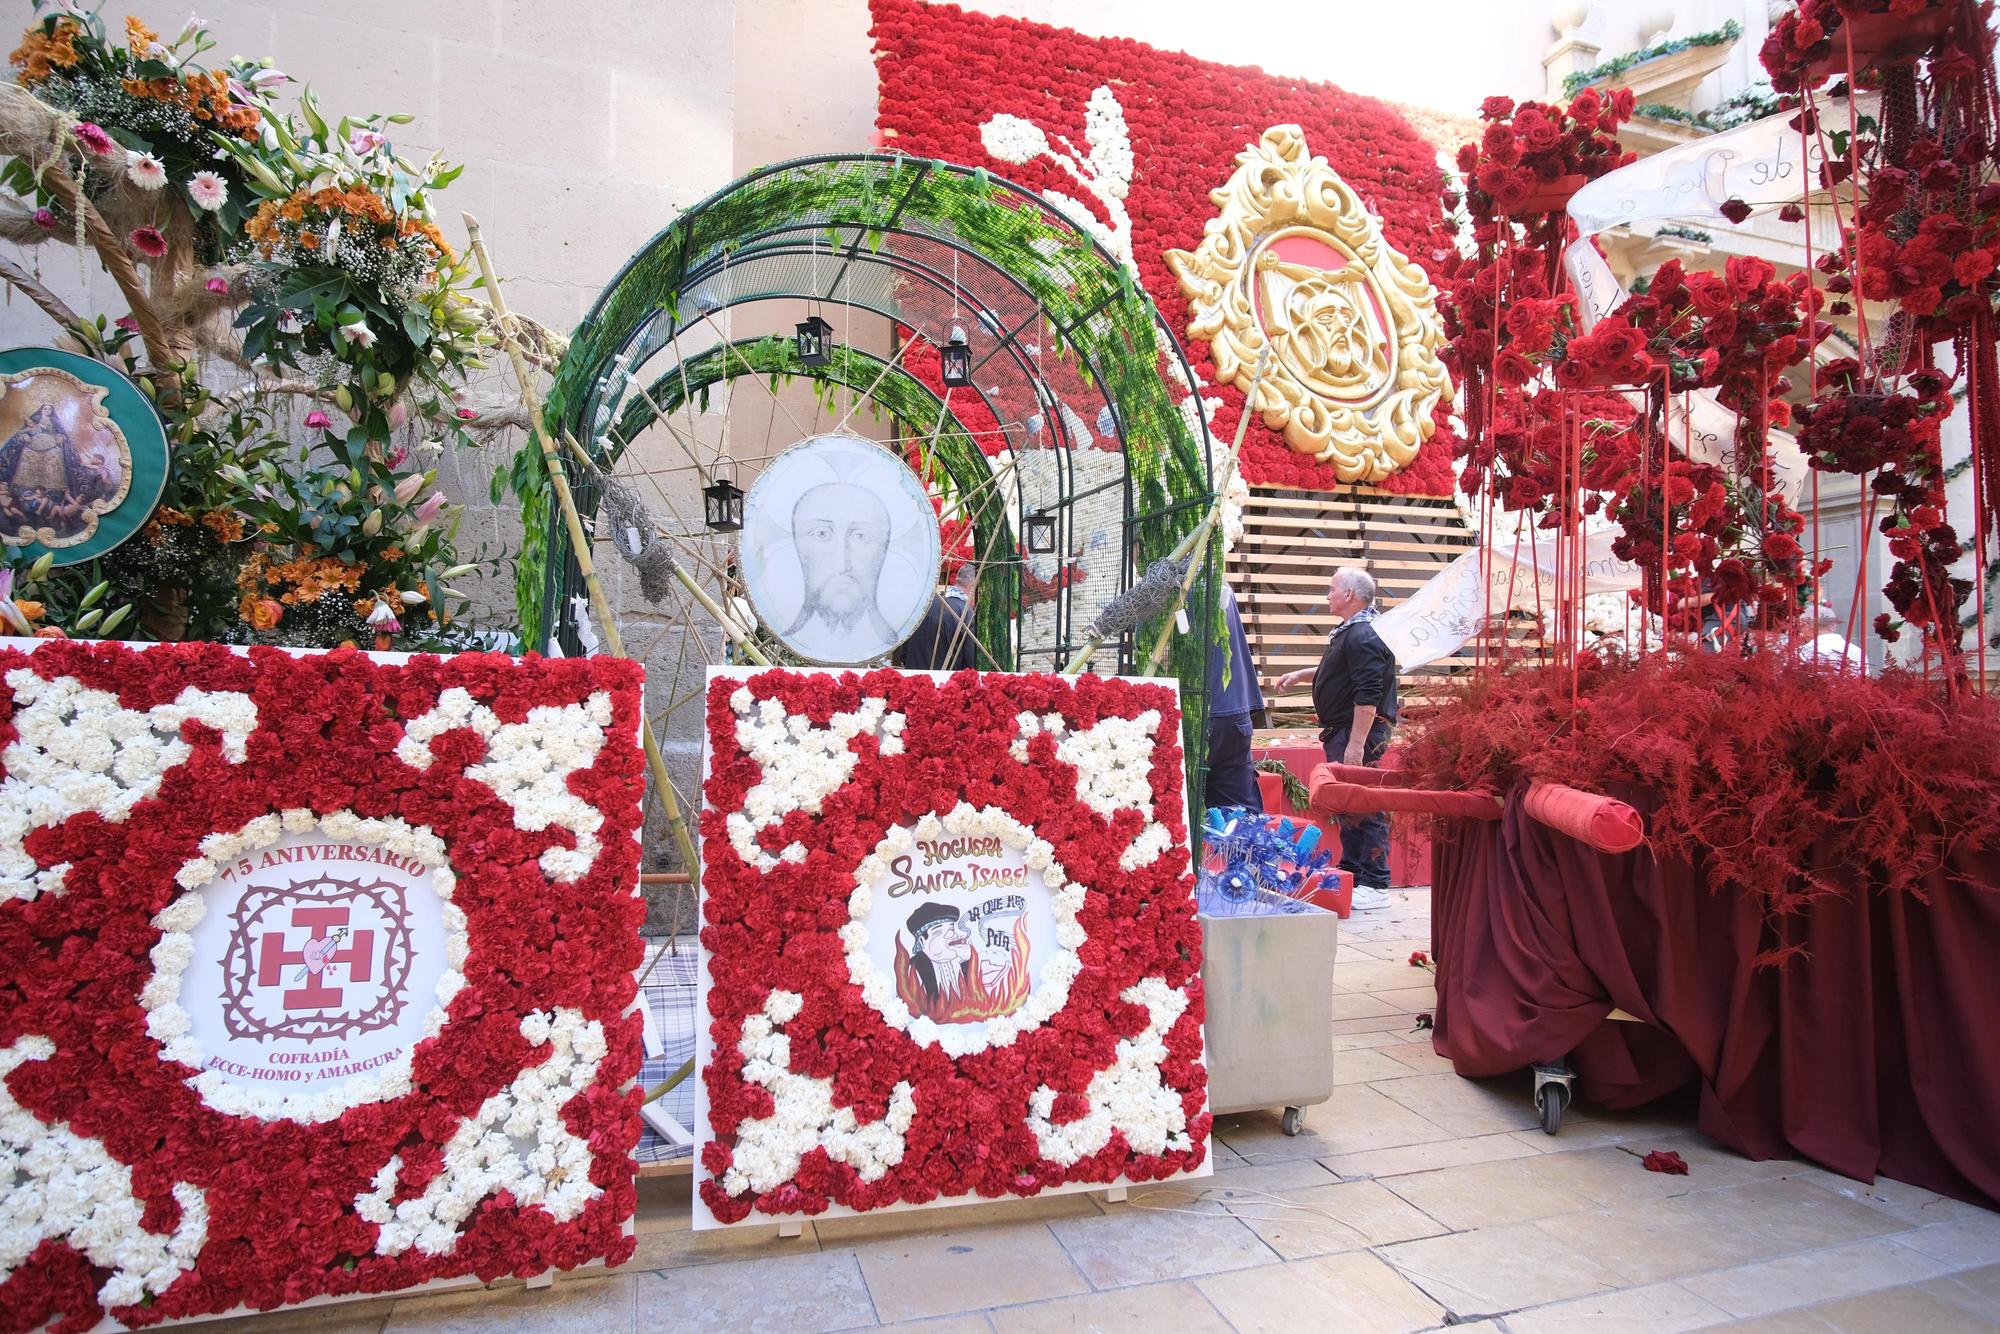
x,y
40,53
357,206
304,579
206,98
227,527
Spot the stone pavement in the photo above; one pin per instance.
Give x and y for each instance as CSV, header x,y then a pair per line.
x,y
1413,1200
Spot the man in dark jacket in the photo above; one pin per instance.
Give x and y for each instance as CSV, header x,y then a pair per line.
x,y
1354,697
943,640
1232,781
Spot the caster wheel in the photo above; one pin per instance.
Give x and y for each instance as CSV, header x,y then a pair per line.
x,y
1550,1100
1294,1121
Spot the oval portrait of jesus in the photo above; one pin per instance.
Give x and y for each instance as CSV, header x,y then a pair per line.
x,y
64,464
840,549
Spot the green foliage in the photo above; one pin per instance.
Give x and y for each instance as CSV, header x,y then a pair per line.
x,y
1694,234
1740,108
1297,795
331,247
1610,69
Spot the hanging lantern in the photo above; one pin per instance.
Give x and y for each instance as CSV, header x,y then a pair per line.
x,y
957,360
723,499
815,342
1039,531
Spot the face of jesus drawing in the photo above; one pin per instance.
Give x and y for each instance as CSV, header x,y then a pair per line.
x,y
842,535
839,549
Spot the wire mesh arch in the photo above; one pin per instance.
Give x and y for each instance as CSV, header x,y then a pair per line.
x,y
1085,396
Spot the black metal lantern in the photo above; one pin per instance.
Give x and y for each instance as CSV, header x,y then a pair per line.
x,y
1039,532
815,342
956,359
723,501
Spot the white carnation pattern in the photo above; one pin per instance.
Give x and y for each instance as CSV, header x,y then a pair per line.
x,y
79,749
1105,171
528,765
169,1023
1051,991
65,1186
802,765
769,1149
1129,1097
516,1142
1114,771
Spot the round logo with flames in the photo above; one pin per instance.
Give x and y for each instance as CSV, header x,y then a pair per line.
x,y
962,925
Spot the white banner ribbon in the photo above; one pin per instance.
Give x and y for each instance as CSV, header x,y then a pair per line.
x,y
1437,620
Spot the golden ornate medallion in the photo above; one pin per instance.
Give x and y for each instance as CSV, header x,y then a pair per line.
x,y
1296,261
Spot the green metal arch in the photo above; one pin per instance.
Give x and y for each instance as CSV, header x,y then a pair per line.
x,y
844,210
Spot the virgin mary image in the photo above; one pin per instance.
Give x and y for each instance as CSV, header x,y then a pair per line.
x,y
53,488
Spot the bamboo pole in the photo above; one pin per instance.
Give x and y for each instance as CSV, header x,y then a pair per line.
x,y
579,540
1207,527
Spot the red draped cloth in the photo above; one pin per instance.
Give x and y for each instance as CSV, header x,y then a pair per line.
x,y
1873,1052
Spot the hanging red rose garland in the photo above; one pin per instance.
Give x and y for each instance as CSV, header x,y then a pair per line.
x,y
147,1184
830,1081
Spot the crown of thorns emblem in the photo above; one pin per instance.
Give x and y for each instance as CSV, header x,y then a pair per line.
x,y
357,935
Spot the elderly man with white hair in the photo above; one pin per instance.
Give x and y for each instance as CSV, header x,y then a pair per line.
x,y
1354,697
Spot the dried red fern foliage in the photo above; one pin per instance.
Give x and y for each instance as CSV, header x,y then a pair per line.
x,y
1782,779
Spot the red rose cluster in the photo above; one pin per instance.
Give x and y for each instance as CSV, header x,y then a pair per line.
x,y
1928,235
1507,313
1530,147
1187,119
1894,434
280,1194
1735,332
1807,43
780,930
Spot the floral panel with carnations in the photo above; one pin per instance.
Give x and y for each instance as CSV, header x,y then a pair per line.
x,y
1129,143
949,931
316,975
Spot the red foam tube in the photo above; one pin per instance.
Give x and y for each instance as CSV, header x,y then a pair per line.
x,y
1333,796
1588,817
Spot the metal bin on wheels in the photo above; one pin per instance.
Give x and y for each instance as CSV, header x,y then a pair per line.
x,y
1268,979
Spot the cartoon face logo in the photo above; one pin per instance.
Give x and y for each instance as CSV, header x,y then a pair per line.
x,y
320,959
943,975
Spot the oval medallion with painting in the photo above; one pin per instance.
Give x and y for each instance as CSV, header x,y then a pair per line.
x,y
83,456
840,549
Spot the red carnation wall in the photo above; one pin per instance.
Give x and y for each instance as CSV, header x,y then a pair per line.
x,y
944,72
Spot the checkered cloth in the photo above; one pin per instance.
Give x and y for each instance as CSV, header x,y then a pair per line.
x,y
668,995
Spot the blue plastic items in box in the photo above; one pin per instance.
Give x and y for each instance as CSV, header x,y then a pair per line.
x,y
1255,864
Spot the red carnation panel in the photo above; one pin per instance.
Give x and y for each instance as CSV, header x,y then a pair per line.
x,y
316,974
1186,120
949,938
